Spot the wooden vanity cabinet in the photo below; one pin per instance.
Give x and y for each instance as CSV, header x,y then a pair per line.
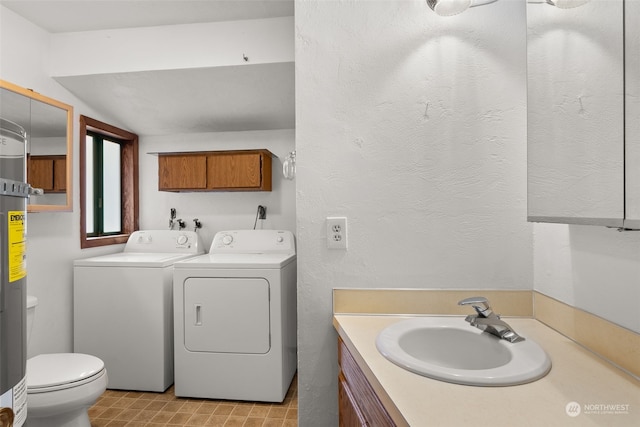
x,y
358,404
247,170
48,173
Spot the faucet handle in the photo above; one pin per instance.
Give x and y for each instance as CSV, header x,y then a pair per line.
x,y
480,304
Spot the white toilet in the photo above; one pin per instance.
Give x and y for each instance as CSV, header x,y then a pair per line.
x,y
61,387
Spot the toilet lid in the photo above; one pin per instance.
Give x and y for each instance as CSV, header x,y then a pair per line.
x,y
50,370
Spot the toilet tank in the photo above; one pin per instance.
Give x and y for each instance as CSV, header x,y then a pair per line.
x,y
32,302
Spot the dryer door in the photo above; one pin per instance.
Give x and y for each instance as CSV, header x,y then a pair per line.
x,y
226,315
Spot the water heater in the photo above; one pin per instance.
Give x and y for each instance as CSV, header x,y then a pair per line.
x,y
14,192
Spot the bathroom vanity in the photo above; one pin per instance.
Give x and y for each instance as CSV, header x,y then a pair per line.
x,y
604,394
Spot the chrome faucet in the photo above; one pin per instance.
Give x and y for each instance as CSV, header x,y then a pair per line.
x,y
488,321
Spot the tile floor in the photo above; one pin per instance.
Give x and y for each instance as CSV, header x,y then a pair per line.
x,y
136,409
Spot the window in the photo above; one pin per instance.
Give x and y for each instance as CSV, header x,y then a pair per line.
x,y
108,183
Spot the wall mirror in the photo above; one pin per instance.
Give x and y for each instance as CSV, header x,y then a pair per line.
x,y
578,95
48,124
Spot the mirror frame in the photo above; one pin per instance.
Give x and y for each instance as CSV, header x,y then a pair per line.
x,y
68,206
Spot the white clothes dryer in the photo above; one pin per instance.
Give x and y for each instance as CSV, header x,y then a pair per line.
x,y
123,307
235,318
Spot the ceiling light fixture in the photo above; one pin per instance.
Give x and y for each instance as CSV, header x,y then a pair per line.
x,y
454,7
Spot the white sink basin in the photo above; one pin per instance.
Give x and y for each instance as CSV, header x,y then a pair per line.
x,y
450,349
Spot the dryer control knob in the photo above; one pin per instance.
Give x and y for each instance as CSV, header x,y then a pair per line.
x,y
280,239
227,239
182,239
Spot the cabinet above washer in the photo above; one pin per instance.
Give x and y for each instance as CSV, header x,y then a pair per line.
x,y
237,170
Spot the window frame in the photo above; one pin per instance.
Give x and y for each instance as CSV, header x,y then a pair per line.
x,y
129,181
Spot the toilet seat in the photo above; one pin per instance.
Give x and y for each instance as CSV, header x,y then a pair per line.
x,y
59,371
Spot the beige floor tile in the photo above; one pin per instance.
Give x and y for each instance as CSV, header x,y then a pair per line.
x,y
146,409
198,420
277,412
234,421
216,420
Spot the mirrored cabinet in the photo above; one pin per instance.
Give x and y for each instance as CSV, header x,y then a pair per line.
x,y
48,124
583,108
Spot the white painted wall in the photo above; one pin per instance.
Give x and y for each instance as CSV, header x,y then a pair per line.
x,y
214,44
596,269
414,127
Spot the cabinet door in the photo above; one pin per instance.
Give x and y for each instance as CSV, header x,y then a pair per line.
x,y
349,413
234,171
40,173
575,114
182,172
363,396
60,174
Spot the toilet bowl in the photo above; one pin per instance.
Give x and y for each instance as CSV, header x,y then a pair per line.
x,y
62,386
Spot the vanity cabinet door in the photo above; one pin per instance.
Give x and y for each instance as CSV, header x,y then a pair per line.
x,y
358,400
350,414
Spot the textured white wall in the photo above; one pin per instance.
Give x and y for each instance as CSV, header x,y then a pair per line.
x,y
414,127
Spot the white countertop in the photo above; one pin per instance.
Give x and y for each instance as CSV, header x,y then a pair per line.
x,y
607,396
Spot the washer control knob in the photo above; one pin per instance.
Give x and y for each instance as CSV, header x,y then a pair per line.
x,y
227,239
279,239
182,239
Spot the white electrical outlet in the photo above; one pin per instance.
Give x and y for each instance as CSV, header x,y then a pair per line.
x,y
337,232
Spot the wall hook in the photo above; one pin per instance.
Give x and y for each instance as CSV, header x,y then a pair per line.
x,y
245,57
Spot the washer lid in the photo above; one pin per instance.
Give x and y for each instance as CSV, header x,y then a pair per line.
x,y
132,259
48,370
245,261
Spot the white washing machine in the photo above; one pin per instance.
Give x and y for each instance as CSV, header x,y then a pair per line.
x,y
123,307
235,318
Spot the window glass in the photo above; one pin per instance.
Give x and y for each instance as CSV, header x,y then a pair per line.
x,y
111,199
89,185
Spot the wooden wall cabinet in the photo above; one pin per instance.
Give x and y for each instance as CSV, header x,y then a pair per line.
x,y
246,170
48,173
358,404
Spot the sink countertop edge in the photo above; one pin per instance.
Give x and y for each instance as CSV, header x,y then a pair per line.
x,y
410,398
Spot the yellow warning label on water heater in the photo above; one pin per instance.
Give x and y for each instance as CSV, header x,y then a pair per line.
x,y
17,245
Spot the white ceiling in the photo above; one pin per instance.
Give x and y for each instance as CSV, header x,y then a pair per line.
x,y
165,102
